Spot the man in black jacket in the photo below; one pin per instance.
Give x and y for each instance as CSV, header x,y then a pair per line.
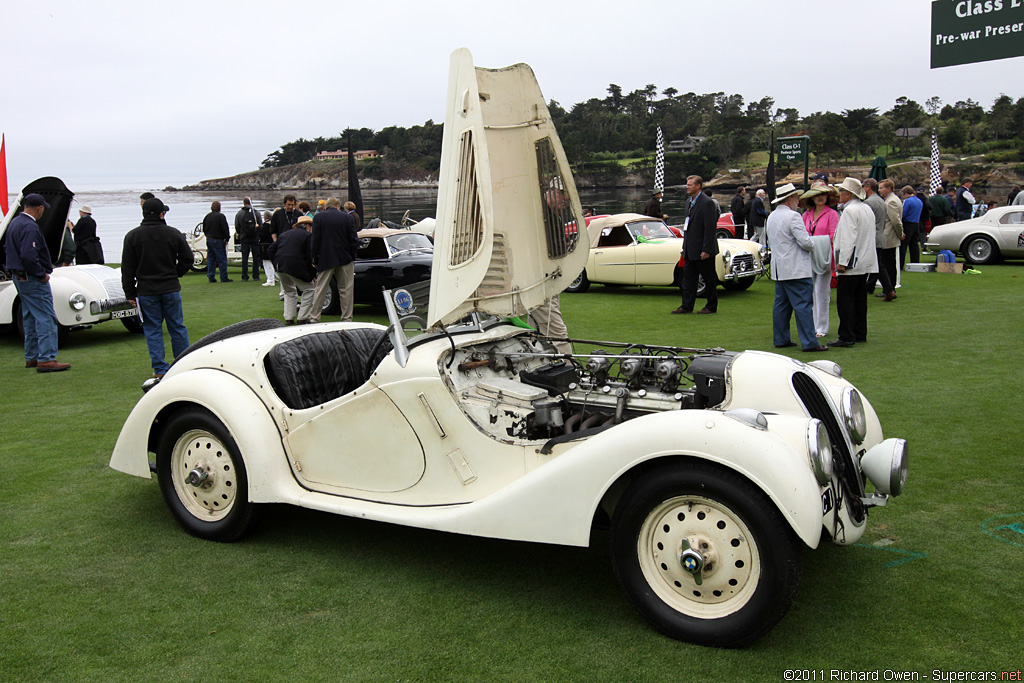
x,y
739,212
87,244
334,251
215,227
293,263
247,225
699,248
155,255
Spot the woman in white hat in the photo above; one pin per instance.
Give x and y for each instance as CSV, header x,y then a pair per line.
x,y
821,219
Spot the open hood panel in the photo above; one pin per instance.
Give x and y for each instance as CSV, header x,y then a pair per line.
x,y
59,197
508,234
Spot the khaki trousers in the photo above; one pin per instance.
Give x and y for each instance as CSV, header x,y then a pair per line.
x,y
345,276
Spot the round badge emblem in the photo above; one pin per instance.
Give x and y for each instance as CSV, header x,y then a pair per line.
x,y
403,301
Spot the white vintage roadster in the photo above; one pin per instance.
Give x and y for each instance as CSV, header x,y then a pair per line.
x,y
711,468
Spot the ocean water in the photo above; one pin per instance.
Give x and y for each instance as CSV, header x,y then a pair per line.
x,y
116,209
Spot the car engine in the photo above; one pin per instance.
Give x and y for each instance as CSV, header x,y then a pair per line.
x,y
521,388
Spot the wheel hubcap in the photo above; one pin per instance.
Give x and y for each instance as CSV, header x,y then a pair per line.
x,y
697,555
980,250
204,475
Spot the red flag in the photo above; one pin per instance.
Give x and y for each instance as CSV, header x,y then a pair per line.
x,y
3,177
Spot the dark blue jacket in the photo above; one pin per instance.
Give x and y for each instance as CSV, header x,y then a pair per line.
x,y
334,239
26,248
291,254
154,256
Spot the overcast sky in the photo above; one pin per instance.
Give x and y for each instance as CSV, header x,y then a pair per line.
x,y
144,94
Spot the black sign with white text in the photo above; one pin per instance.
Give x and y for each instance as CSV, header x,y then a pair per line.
x,y
968,31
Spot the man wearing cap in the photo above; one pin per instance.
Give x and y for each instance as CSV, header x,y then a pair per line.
x,y
700,245
155,255
653,208
855,259
792,271
87,244
28,259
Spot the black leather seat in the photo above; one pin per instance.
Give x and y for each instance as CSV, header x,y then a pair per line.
x,y
319,367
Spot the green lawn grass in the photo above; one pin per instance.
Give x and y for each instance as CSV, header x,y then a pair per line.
x,y
98,582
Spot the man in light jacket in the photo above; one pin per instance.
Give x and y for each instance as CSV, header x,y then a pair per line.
x,y
855,259
892,234
791,269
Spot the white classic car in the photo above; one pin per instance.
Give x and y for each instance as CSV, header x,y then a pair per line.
x,y
197,243
632,249
986,239
82,295
711,468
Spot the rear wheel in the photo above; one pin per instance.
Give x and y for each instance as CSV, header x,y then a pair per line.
x,y
202,477
332,302
979,250
723,234
704,555
580,284
198,261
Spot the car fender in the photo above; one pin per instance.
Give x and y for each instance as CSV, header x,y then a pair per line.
x,y
248,419
556,502
8,294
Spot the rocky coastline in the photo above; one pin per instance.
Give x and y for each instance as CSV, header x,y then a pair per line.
x,y
993,179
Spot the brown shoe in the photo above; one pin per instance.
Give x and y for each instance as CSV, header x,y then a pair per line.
x,y
681,310
889,297
302,321
30,364
52,366
706,310
289,322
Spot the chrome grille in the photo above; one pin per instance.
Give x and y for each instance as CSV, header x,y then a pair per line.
x,y
743,263
818,406
561,227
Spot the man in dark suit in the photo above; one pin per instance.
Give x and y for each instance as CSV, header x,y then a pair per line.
x,y
333,249
699,248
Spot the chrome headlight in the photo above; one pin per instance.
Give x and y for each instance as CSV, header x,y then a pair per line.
x,y
77,301
885,465
820,448
831,367
852,408
727,256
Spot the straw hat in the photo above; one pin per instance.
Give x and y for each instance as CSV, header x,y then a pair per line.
x,y
304,221
853,186
85,209
785,192
819,187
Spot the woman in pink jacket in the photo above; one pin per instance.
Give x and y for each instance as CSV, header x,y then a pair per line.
x,y
821,219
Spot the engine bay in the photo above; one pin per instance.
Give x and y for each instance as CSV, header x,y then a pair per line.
x,y
520,388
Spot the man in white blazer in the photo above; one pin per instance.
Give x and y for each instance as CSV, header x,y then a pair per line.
x,y
855,259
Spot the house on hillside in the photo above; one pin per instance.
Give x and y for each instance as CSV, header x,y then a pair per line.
x,y
688,146
343,154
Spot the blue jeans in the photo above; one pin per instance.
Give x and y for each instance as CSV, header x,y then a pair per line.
x,y
39,319
216,255
794,297
254,249
156,309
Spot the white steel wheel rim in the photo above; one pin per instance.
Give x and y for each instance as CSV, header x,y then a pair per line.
x,y
198,259
732,563
980,249
199,450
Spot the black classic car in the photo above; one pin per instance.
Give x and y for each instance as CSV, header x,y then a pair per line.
x,y
387,259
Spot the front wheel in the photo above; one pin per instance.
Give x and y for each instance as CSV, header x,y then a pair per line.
x,y
979,250
579,285
202,477
704,555
133,325
198,261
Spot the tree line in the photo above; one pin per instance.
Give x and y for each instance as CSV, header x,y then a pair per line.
x,y
623,125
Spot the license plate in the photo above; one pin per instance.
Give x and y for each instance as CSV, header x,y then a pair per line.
x,y
127,313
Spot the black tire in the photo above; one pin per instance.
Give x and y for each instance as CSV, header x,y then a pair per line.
x,y
723,234
739,284
579,285
752,564
133,325
243,327
332,302
217,508
702,287
979,250
63,335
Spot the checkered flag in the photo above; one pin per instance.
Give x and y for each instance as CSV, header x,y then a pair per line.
x,y
936,174
659,163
